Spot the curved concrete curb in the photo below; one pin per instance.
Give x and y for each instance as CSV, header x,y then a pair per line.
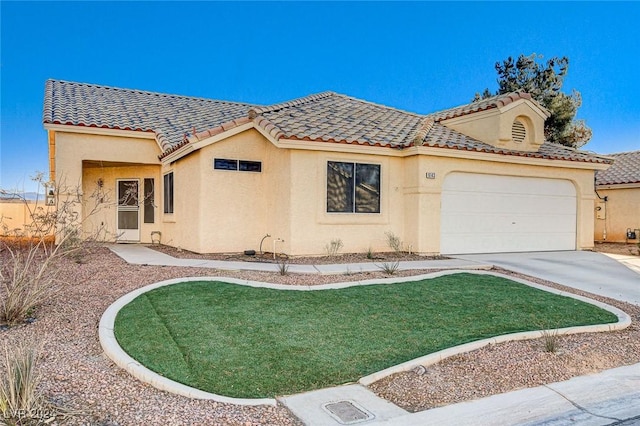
x,y
113,350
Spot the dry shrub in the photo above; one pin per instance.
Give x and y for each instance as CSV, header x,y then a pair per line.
x,y
20,401
27,279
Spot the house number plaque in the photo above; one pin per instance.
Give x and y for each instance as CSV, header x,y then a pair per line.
x,y
431,175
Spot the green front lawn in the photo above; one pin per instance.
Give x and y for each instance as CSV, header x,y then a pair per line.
x,y
255,342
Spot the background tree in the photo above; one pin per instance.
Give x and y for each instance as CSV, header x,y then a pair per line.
x,y
543,80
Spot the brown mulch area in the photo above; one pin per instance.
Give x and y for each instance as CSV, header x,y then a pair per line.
x,y
78,375
618,248
298,260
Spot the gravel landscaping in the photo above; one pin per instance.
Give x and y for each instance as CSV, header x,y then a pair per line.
x,y
76,373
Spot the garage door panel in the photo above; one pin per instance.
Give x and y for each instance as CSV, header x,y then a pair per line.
x,y
487,213
500,243
505,224
481,203
473,183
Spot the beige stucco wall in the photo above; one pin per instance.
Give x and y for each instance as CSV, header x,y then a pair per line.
x,y
312,228
494,126
118,155
231,211
74,148
16,216
621,211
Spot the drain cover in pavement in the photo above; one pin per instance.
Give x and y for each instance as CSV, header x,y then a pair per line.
x,y
347,412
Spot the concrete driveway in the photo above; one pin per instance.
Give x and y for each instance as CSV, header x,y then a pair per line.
x,y
585,270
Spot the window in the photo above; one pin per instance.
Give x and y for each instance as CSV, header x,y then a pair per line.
x,y
353,187
241,165
149,194
250,166
168,193
223,164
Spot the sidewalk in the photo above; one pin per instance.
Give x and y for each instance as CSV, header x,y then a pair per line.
x,y
611,397
141,255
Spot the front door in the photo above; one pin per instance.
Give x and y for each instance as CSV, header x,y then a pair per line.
x,y
128,210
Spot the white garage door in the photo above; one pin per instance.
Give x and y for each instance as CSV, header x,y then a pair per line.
x,y
495,214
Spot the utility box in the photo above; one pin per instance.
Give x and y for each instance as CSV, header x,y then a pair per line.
x,y
601,210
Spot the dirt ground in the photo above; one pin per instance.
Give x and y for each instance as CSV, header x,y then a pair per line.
x,y
618,248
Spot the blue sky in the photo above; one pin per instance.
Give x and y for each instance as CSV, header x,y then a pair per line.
x,y
417,56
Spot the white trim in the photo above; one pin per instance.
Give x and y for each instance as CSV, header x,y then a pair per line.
x,y
619,186
530,104
355,148
69,128
501,158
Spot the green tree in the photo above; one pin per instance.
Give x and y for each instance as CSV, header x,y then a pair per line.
x,y
543,80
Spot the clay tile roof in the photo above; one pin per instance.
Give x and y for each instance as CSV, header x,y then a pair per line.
x,y
625,169
482,105
325,117
332,117
440,136
168,116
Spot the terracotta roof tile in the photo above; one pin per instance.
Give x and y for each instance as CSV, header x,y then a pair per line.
x,y
331,117
168,116
625,169
443,137
324,117
482,105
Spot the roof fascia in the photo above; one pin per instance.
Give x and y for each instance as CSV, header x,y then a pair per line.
x,y
544,115
619,186
353,148
194,146
471,116
501,158
68,128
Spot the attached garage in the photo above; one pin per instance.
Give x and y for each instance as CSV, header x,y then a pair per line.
x,y
483,213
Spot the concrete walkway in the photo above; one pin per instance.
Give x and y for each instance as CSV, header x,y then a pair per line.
x,y
611,397
140,255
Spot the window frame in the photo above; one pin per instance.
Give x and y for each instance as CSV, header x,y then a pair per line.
x,y
149,189
230,164
357,182
168,184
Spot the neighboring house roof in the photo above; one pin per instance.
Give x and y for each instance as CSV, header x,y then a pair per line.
x,y
323,117
625,169
168,116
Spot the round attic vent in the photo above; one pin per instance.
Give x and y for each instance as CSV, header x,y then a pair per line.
x,y
518,131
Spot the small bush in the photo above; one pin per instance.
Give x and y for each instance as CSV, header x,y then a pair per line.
x,y
393,241
390,268
550,340
370,254
283,268
333,247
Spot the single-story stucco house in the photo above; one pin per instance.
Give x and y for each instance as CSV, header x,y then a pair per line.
x,y
618,205
218,176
